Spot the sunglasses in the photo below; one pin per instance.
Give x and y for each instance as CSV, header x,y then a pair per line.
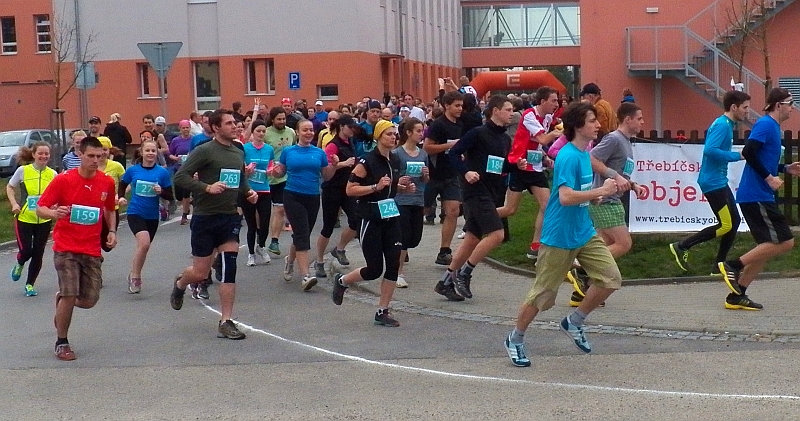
x,y
789,102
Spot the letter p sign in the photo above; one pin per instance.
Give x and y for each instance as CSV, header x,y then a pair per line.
x,y
294,80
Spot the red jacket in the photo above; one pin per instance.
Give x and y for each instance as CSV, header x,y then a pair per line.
x,y
531,125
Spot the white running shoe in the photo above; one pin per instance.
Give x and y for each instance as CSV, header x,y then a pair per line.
x,y
288,269
308,282
401,282
263,253
251,260
462,235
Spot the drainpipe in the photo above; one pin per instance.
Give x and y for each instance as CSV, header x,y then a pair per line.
x,y
83,100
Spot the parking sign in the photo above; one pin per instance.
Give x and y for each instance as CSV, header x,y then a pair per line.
x,y
294,80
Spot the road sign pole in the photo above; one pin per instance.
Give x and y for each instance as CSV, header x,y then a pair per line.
x,y
161,76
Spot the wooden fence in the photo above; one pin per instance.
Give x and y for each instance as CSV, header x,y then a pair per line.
x,y
788,197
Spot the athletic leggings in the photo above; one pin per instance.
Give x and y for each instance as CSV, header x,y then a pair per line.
x,y
724,208
411,219
302,211
262,208
380,241
32,239
334,198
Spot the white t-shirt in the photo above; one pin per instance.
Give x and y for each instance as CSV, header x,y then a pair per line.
x,y
195,128
418,113
535,127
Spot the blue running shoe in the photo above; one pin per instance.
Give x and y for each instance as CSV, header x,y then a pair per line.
x,y
576,334
16,272
517,353
30,291
274,248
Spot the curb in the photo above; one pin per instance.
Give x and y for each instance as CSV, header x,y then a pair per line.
x,y
632,282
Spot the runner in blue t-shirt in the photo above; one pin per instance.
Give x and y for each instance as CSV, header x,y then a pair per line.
x,y
258,157
148,182
756,198
713,182
304,164
563,242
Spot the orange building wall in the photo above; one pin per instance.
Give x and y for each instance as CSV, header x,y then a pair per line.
x,y
603,60
26,97
357,74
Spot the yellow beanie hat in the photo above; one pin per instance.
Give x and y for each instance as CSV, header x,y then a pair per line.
x,y
380,128
105,141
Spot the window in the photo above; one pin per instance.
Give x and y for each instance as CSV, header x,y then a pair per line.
x,y
8,35
143,70
148,79
207,92
328,92
43,33
260,76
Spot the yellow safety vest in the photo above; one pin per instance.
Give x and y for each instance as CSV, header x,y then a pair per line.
x,y
33,184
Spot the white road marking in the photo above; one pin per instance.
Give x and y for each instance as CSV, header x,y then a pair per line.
x,y
508,380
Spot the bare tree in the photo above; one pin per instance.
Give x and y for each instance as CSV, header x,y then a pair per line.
x,y
69,54
748,20
736,25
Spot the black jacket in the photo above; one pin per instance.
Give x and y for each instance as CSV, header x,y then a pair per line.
x,y
377,166
119,135
476,146
340,177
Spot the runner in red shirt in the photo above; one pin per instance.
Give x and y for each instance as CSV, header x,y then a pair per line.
x,y
533,133
78,199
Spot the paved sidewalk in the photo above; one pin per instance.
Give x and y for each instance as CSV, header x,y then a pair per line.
x,y
680,309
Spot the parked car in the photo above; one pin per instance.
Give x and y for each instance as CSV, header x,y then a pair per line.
x,y
11,141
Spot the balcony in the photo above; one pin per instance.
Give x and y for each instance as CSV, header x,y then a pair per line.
x,y
521,25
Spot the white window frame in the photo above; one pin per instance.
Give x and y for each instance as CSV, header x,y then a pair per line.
x,y
199,99
254,74
40,25
3,43
327,97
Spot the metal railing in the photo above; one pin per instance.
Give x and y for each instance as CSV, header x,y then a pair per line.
x,y
678,49
717,23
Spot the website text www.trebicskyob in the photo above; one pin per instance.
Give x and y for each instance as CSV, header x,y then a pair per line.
x,y
699,220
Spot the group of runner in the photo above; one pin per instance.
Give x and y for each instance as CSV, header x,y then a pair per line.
x,y
385,177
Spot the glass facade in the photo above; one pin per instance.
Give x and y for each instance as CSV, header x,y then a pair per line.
x,y
521,25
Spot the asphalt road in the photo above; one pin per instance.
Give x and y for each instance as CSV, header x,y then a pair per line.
x,y
305,358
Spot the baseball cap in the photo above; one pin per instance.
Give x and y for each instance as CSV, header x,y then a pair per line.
x,y
95,119
318,102
775,96
405,109
160,120
590,88
346,120
105,141
374,104
286,101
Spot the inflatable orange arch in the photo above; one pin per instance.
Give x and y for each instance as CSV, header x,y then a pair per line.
x,y
528,80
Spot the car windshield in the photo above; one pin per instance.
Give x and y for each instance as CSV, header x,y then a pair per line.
x,y
12,138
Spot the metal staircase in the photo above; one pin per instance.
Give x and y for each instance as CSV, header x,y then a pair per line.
x,y
703,64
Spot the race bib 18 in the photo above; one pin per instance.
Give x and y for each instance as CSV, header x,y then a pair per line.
x,y
494,164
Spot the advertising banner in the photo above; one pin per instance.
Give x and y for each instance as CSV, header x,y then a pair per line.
x,y
673,201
